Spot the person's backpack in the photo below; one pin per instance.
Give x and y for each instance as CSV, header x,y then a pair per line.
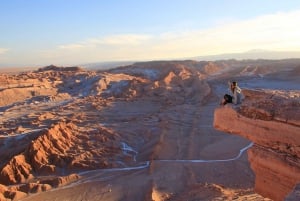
x,y
228,98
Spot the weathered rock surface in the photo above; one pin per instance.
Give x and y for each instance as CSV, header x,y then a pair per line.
x,y
58,150
59,132
271,119
57,123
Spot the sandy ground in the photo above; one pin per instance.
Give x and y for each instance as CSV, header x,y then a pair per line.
x,y
184,132
156,144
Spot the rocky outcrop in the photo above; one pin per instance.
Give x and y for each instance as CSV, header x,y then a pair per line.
x,y
60,181
41,156
271,119
18,192
64,147
56,68
50,159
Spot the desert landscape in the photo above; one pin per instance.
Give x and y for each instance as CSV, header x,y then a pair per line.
x,y
151,131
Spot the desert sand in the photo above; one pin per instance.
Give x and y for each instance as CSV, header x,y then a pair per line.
x,y
138,132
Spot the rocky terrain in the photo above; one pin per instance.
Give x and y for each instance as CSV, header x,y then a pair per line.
x,y
145,132
270,119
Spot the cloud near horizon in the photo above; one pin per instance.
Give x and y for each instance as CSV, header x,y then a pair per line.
x,y
3,50
113,40
277,31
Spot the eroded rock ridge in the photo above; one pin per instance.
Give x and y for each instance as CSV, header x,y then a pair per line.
x,y
271,119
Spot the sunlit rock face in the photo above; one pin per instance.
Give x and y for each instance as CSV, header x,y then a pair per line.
x,y
271,119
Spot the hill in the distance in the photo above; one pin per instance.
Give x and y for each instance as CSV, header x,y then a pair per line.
x,y
252,54
257,54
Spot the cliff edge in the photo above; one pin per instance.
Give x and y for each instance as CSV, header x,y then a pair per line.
x,y
271,119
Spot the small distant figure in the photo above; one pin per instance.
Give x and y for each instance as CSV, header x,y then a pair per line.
x,y
235,95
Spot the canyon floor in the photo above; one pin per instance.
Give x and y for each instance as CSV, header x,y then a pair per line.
x,y
139,132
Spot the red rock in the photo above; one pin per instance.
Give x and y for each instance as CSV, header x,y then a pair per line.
x,y
275,157
61,181
15,195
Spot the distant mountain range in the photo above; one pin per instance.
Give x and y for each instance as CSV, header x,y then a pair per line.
x,y
252,54
106,65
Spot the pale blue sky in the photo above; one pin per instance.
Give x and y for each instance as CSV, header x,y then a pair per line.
x,y
67,32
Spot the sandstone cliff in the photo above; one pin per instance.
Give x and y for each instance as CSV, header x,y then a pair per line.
x,y
271,119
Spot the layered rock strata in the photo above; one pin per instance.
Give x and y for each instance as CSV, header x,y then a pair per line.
x,y
271,119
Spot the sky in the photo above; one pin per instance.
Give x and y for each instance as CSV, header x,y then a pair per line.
x,y
74,32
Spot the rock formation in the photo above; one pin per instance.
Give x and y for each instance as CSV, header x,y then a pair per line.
x,y
103,131
52,120
271,119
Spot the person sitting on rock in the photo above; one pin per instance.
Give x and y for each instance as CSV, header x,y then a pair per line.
x,y
235,96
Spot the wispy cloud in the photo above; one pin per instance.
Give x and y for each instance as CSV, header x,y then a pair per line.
x,y
279,31
126,39
3,50
113,40
276,32
72,46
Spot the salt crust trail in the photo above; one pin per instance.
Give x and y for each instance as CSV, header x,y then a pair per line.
x,y
147,163
211,161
